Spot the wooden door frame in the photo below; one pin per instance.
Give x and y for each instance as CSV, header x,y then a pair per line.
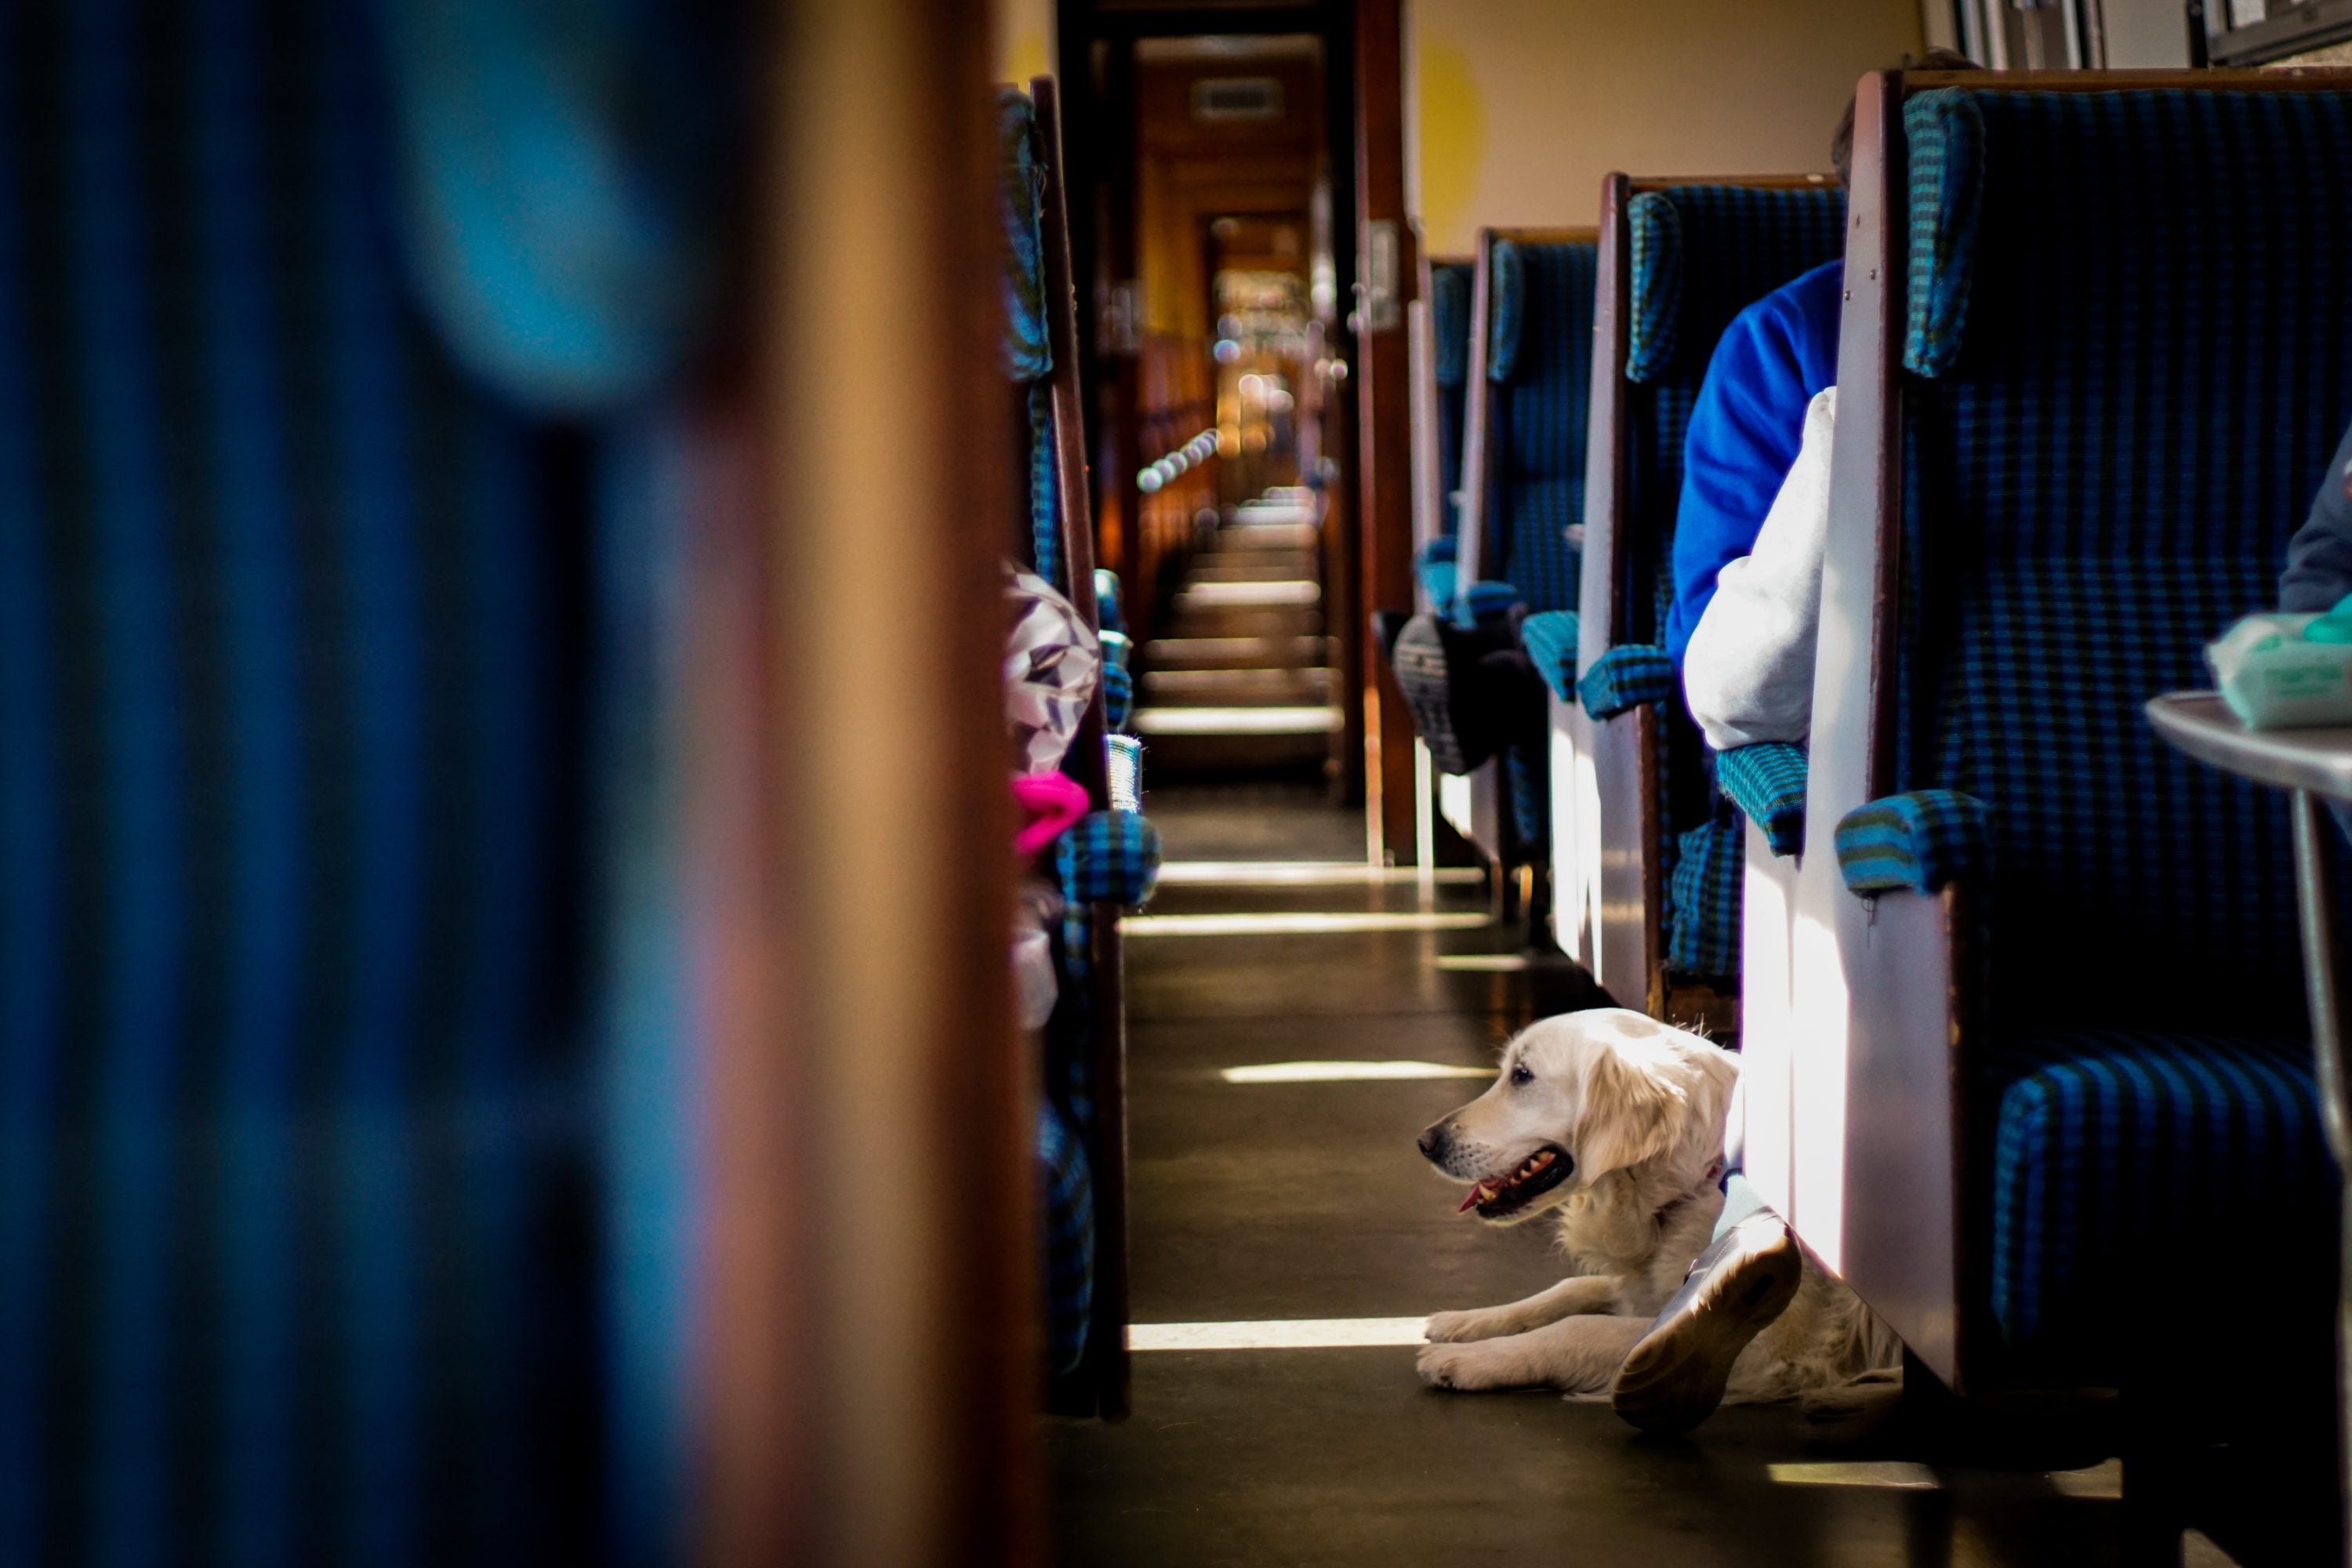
x,y
1383,374
866,1372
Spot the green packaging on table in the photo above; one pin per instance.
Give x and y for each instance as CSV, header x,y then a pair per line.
x,y
2282,671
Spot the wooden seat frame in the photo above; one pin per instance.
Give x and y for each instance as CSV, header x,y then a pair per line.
x,y
1102,1381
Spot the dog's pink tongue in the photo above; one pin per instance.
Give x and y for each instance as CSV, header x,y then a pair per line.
x,y
1472,1201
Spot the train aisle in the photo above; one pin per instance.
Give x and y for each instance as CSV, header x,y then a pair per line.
x,y
1276,1194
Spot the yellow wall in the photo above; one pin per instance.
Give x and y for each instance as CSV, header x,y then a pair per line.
x,y
1521,106
1025,39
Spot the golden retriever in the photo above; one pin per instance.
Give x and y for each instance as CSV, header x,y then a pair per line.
x,y
1615,1122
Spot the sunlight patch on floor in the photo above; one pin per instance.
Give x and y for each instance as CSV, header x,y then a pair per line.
x,y
1293,924
2104,1481
1898,1475
1303,874
2100,1483
1276,1335
1345,1072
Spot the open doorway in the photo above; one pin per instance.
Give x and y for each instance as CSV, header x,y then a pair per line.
x,y
1237,489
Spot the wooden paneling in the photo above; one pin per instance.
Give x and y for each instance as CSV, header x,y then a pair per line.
x,y
867,1368
1384,433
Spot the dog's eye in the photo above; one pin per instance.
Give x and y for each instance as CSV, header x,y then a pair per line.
x,y
1520,1074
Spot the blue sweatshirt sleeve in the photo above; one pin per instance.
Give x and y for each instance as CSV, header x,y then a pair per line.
x,y
2319,556
1744,434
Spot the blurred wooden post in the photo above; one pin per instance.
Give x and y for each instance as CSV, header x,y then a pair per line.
x,y
868,1368
1383,492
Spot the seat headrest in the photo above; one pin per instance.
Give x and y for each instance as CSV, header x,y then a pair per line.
x,y
1021,199
1701,253
1656,232
1449,321
1507,308
1944,134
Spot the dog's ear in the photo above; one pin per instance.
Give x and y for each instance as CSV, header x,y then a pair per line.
x,y
1633,1111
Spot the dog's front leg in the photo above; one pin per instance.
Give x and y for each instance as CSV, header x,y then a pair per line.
x,y
1580,1355
1570,1297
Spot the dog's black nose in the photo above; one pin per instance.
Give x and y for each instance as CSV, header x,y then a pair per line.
x,y
1433,1141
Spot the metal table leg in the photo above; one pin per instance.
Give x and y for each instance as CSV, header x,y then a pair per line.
x,y
2324,979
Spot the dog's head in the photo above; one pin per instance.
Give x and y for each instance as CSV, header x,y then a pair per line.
x,y
1581,1096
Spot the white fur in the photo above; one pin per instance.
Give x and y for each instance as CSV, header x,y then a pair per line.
x,y
1640,1108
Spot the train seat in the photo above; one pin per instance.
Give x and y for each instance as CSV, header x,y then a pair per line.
x,y
1108,861
1435,561
1521,489
2098,354
1649,865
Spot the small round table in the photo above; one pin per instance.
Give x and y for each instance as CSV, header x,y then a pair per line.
x,y
2316,765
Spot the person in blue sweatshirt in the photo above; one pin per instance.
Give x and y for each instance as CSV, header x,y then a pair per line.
x,y
1745,431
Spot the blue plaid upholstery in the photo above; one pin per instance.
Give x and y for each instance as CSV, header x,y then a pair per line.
x,y
1526,772
1766,783
1946,135
1449,323
1118,695
300,1141
1507,308
1066,1199
1924,840
1027,349
2153,364
1699,254
1108,858
2156,368
1654,232
2108,1146
1450,284
1045,487
1626,677
1702,937
1482,600
1543,309
1113,858
1435,567
1118,671
1110,618
1549,637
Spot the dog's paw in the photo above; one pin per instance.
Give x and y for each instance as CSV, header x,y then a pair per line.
x,y
1453,1328
1465,1368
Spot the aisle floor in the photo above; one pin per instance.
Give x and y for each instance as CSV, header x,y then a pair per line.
x,y
1291,1201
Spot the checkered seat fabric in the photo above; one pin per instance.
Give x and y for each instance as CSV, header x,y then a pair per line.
x,y
1700,253
1065,1198
1538,365
1449,326
1766,783
1625,677
2110,1145
1924,840
299,1130
1539,359
1549,637
2130,341
1113,858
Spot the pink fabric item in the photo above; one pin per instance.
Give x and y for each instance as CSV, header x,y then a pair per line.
x,y
1049,803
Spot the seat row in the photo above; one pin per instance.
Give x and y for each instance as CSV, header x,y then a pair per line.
x,y
1107,860
2018,987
